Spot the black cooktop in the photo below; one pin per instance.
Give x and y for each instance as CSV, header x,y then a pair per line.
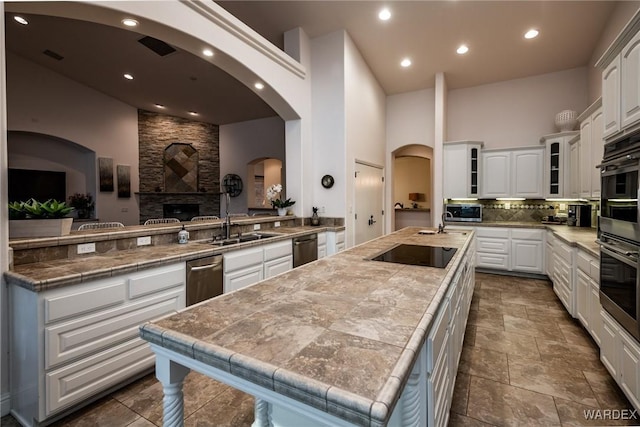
x,y
426,256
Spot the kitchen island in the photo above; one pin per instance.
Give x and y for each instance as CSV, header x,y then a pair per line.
x,y
341,341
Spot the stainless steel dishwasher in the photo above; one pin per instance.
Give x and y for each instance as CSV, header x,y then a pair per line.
x,y
305,249
204,279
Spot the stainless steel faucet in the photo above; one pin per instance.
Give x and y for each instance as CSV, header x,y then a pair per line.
x,y
446,214
227,218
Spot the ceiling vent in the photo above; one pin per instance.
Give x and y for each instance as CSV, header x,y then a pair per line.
x,y
53,55
158,46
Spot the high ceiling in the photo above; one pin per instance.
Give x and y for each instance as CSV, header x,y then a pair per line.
x,y
428,32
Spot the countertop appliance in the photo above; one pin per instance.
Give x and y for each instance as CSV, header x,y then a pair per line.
x,y
425,256
204,279
305,249
463,212
579,215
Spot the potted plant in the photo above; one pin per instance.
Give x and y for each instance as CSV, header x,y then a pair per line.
x,y
83,204
315,220
273,195
39,219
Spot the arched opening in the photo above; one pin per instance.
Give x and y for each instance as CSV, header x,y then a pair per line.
x,y
412,189
261,174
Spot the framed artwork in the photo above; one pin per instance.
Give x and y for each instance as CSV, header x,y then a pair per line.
x,y
105,170
124,181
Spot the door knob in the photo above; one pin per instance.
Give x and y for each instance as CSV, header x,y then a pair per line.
x,y
371,221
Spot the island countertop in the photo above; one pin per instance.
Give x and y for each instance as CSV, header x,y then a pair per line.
x,y
339,334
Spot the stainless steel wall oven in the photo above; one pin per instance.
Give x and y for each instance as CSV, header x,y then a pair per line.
x,y
619,232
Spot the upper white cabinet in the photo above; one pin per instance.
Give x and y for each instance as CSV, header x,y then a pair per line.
x,y
620,66
591,150
513,173
574,168
611,98
557,164
462,169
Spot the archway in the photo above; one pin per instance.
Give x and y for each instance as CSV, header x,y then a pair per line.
x,y
412,186
261,174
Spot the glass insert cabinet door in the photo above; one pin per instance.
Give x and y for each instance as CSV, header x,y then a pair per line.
x,y
554,168
474,171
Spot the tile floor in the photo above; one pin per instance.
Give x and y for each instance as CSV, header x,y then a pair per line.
x,y
525,362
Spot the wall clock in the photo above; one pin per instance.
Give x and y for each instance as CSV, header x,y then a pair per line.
x,y
232,184
327,181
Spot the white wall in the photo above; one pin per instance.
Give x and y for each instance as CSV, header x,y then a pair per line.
x,y
328,126
515,113
5,400
241,143
41,101
365,111
410,119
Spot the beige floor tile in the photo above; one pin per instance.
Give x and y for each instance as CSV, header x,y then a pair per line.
x,y
517,310
607,391
576,334
142,422
574,414
458,420
518,325
232,408
461,393
570,356
484,363
506,342
555,381
107,412
469,336
486,318
504,405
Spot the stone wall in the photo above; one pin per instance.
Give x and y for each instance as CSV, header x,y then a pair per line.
x,y
156,132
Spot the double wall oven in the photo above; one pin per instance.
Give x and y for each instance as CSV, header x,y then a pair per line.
x,y
619,232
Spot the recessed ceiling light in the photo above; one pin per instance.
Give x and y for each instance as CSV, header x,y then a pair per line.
x,y
462,49
160,106
20,20
406,62
193,113
531,34
384,14
129,22
207,52
259,86
128,76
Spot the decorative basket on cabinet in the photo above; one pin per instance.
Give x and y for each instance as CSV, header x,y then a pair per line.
x,y
566,120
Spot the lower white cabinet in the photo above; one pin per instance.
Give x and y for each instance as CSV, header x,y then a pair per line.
x,y
244,267
335,242
620,354
563,274
587,289
322,245
71,343
510,249
548,254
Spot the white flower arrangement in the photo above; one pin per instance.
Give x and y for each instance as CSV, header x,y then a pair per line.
x,y
273,195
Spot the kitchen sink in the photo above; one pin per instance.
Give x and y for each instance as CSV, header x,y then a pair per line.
x,y
243,238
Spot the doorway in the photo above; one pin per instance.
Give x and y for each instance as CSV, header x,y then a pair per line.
x,y
369,200
412,186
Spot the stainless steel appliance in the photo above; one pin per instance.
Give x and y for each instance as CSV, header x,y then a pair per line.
x,y
426,256
619,189
305,249
463,212
579,215
619,281
204,279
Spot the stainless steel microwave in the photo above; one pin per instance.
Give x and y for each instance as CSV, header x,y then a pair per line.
x,y
463,212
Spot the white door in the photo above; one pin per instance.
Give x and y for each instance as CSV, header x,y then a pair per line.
x,y
368,203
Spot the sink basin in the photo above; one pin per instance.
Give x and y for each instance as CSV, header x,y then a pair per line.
x,y
243,238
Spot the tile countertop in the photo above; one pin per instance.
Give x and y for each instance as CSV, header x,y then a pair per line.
x,y
581,237
40,276
339,334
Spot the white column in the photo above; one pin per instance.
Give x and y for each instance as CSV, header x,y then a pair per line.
x,y
171,375
262,414
438,157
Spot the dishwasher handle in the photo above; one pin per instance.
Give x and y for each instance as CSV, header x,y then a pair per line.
x,y
204,267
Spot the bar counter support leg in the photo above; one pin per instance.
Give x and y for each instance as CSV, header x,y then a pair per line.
x,y
171,375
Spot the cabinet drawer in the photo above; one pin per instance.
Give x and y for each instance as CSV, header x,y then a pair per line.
x,y
489,245
563,251
340,237
155,280
78,381
242,258
322,239
277,250
527,234
278,266
494,232
58,306
89,334
436,340
584,261
595,271
497,261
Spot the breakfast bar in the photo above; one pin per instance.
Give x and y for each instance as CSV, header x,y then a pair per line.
x,y
346,340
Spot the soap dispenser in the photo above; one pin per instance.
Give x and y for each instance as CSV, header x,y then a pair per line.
x,y
183,236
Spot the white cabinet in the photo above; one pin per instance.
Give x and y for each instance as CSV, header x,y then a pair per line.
x,y
630,83
563,274
556,164
583,292
574,168
548,254
71,343
527,250
322,245
591,147
620,354
462,169
587,291
335,242
611,98
510,249
513,173
244,267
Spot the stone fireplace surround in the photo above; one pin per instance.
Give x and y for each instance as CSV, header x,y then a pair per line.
x,y
156,132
